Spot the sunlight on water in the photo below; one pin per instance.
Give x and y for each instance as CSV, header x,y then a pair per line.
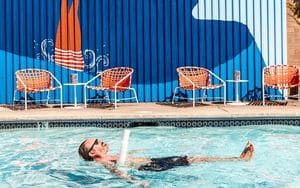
x,y
49,158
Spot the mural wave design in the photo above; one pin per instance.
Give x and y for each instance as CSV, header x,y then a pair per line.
x,y
46,53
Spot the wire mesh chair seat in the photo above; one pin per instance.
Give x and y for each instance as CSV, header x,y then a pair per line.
x,y
282,77
115,80
197,78
36,81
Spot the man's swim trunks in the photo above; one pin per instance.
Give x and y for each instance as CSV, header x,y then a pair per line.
x,y
161,164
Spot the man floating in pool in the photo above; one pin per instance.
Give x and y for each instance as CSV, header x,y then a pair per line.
x,y
95,150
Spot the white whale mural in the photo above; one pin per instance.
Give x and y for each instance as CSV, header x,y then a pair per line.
x,y
256,15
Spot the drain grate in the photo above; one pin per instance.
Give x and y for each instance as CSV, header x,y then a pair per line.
x,y
144,124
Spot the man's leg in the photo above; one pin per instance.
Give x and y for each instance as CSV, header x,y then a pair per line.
x,y
246,155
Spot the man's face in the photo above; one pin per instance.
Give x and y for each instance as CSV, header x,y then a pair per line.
x,y
96,147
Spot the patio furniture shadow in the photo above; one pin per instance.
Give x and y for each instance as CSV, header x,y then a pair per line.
x,y
268,103
101,105
187,104
17,107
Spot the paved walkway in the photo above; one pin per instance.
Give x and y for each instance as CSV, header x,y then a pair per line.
x,y
152,111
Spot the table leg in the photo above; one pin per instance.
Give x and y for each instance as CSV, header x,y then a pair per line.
x,y
75,97
236,92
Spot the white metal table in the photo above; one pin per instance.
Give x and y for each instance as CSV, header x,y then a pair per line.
x,y
237,97
75,93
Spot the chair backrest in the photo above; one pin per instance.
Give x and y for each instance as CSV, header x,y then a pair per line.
x,y
199,76
34,79
111,77
281,76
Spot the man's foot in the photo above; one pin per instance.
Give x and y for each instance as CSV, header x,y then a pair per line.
x,y
248,151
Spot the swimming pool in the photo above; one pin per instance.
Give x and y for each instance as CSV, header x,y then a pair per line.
x,y
48,157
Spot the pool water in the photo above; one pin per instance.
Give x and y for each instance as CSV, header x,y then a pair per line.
x,y
48,158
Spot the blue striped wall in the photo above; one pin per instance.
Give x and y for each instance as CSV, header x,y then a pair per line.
x,y
152,36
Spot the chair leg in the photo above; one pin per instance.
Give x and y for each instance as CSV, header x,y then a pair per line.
x,y
14,99
115,98
194,97
224,95
48,95
204,95
263,88
25,100
135,96
263,95
298,93
173,98
106,93
285,94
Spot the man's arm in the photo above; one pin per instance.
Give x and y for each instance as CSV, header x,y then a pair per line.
x,y
114,170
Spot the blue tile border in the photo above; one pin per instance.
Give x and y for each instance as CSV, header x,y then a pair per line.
x,y
129,123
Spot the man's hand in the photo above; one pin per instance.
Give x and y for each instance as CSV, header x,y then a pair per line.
x,y
144,184
136,151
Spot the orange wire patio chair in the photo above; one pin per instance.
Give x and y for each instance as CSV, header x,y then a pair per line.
x,y
197,78
32,81
281,77
114,80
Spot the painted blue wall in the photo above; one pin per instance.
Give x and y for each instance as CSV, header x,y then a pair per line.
x,y
152,36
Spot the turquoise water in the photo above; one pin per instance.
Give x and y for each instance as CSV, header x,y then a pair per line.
x,y
48,158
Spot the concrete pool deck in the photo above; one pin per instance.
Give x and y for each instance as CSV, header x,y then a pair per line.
x,y
152,111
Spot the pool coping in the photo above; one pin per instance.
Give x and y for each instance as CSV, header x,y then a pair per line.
x,y
151,114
